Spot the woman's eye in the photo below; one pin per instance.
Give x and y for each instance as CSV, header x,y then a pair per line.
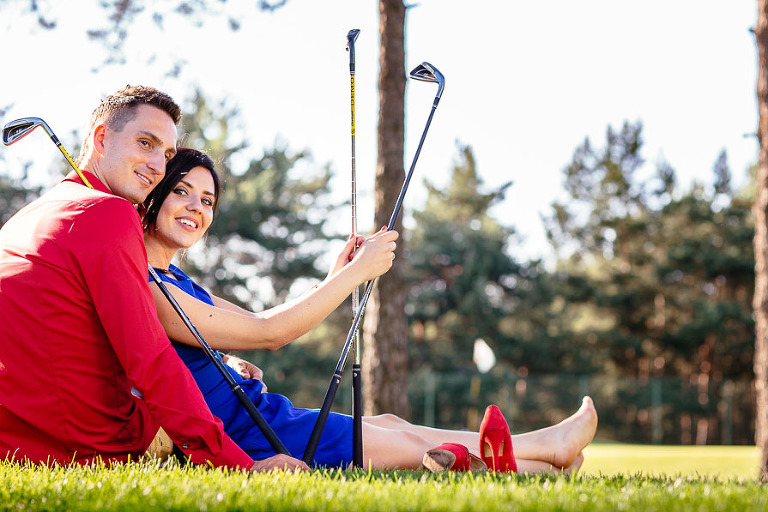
x,y
207,202
180,191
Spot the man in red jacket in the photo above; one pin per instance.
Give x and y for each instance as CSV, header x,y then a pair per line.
x,y
79,327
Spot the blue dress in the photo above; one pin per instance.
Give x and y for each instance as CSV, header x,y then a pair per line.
x,y
292,425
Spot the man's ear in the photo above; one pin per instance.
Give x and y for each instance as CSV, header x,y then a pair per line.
x,y
99,133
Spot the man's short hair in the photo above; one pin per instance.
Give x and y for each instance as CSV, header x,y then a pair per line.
x,y
117,109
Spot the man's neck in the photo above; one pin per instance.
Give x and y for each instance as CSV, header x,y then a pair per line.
x,y
91,165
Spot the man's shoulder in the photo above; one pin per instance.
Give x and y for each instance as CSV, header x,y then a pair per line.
x,y
74,204
95,202
105,215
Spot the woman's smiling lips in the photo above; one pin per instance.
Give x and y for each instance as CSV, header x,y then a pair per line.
x,y
188,223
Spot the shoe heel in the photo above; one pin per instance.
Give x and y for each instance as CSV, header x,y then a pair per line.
x,y
495,435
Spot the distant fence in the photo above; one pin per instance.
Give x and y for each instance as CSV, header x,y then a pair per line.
x,y
657,410
661,410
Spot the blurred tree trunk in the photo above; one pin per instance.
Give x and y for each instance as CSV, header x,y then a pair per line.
x,y
385,358
760,301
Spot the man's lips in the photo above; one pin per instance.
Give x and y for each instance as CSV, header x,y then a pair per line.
x,y
143,178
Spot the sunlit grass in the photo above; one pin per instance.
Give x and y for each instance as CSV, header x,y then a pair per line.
x,y
615,477
714,461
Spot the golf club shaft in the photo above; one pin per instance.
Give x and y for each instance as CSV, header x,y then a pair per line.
x,y
357,378
71,162
322,417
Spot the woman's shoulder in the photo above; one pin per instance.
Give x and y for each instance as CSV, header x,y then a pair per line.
x,y
180,279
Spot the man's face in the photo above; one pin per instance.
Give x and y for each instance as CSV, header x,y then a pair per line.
x,y
133,159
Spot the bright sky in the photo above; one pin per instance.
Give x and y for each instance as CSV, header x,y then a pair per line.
x,y
526,82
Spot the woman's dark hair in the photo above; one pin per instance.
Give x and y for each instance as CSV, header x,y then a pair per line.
x,y
184,161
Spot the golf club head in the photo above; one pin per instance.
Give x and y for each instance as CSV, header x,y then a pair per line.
x,y
352,37
426,72
20,128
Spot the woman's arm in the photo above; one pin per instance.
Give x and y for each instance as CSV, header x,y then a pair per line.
x,y
228,327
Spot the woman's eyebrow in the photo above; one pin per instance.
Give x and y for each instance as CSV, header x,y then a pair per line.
x,y
205,192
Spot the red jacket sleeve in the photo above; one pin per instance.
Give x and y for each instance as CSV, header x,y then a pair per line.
x,y
109,246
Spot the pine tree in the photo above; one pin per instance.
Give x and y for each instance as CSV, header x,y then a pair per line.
x,y
661,282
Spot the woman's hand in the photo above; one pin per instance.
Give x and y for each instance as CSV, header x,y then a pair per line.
x,y
246,369
347,253
375,255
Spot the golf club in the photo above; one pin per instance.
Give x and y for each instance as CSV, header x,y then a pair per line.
x,y
18,129
424,72
357,376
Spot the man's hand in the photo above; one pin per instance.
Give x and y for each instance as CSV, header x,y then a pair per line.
x,y
279,461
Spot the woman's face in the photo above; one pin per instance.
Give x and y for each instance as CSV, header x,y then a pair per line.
x,y
187,212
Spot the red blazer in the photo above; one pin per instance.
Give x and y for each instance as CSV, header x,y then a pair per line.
x,y
78,328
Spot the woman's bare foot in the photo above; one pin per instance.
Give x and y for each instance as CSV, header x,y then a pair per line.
x,y
561,444
573,434
577,462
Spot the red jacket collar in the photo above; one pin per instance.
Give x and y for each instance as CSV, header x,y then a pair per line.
x,y
97,184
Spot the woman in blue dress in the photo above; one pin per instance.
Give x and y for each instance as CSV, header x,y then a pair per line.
x,y
176,215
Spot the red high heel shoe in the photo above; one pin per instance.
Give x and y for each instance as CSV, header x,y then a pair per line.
x,y
496,441
452,456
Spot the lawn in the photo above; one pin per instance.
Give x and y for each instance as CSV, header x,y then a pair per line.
x,y
615,477
713,461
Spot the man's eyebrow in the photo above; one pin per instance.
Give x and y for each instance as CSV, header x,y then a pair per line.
x,y
157,140
205,192
152,136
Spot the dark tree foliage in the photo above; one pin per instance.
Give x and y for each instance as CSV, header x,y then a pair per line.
x,y
459,269
14,194
661,282
465,284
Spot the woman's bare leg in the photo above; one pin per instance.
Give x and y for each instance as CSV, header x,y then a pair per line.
x,y
388,448
558,445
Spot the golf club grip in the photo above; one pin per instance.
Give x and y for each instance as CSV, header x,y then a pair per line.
x,y
322,417
253,412
357,416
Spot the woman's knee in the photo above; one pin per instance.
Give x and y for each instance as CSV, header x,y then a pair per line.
x,y
387,419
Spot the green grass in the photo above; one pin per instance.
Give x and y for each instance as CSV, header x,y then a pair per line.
x,y
630,485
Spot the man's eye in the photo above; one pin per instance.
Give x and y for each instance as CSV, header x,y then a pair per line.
x,y
145,143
